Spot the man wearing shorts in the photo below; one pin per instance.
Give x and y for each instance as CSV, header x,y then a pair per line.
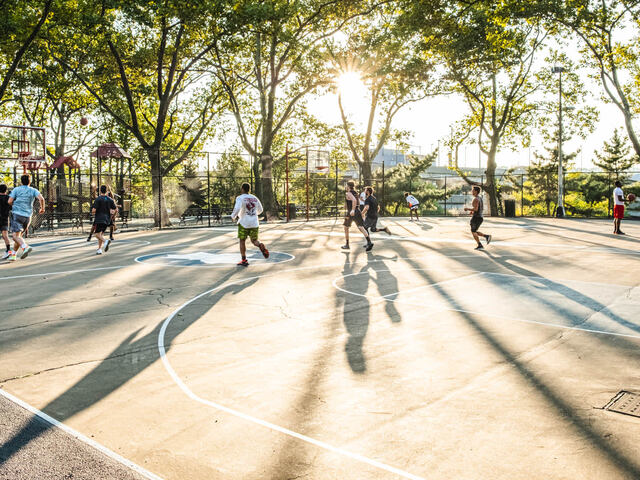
x,y
102,210
370,212
354,214
413,205
476,209
21,200
618,208
5,213
246,211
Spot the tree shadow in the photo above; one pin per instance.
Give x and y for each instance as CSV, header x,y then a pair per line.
x,y
564,410
103,379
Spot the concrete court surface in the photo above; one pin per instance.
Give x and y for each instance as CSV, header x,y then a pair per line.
x,y
422,359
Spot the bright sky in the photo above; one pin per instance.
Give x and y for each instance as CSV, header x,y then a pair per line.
x,y
430,120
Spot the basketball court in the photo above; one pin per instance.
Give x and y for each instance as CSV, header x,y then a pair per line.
x,y
423,359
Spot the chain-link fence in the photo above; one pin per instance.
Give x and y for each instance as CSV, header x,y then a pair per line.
x,y
199,188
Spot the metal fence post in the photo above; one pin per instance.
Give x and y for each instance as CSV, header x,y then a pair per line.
x,y
522,194
445,195
208,191
337,187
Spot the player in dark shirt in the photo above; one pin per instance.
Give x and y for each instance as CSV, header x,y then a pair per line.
x,y
102,210
353,214
370,212
5,212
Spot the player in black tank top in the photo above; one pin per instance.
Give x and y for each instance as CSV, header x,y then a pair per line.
x,y
353,214
476,217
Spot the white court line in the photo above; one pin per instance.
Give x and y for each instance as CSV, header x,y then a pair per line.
x,y
386,297
214,265
503,317
250,418
554,325
74,433
446,240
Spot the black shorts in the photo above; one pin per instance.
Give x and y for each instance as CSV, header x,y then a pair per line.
x,y
4,224
101,227
475,223
357,218
371,224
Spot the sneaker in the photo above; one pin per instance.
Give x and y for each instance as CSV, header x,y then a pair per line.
x,y
89,238
6,255
99,251
388,231
345,247
369,247
479,247
620,232
12,257
263,249
488,239
26,252
106,245
243,263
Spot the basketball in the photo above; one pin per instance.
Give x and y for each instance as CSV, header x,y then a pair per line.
x,y
631,197
84,121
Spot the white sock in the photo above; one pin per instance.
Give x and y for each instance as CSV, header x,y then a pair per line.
x,y
23,244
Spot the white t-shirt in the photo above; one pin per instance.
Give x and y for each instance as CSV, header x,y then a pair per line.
x,y
617,191
412,200
363,197
247,208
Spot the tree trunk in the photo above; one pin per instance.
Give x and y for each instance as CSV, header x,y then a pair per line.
x,y
266,181
490,184
632,134
367,175
160,214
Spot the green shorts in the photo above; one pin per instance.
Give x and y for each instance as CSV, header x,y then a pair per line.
x,y
243,233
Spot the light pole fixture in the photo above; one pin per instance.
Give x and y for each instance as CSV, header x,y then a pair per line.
x,y
560,206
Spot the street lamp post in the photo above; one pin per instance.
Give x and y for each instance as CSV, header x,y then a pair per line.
x,y
560,206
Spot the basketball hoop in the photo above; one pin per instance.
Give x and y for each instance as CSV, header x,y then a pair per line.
x,y
322,168
29,162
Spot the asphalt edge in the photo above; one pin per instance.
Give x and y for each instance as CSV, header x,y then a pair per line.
x,y
79,436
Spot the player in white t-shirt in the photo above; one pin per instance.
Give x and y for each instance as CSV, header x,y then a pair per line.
x,y
413,205
618,208
246,211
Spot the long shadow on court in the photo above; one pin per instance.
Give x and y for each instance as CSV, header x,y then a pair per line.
x,y
565,411
356,313
569,293
105,379
609,236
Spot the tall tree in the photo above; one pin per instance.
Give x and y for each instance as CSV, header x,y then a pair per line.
x,y
142,62
392,82
20,25
489,54
542,174
614,158
609,50
270,64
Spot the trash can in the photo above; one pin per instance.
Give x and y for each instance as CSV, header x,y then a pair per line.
x,y
509,208
292,211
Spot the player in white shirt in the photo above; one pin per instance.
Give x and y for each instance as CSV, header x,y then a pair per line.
x,y
618,208
413,205
246,211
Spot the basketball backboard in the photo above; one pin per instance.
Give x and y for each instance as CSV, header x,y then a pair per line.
x,y
24,145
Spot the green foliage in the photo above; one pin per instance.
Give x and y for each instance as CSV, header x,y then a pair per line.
x,y
231,171
615,158
406,178
542,176
194,189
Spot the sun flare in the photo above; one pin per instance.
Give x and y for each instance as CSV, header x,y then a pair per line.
x,y
350,85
